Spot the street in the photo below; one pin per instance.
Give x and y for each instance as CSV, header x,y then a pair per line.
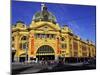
x,y
40,68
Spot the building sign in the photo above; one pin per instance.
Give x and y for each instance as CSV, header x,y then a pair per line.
x,y
58,48
32,45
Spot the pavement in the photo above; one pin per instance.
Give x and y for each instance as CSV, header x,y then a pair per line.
x,y
22,68
66,67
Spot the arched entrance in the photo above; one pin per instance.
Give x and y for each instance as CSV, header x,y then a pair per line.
x,y
45,52
13,54
23,57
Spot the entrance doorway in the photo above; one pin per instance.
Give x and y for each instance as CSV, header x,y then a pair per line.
x,y
13,54
23,58
45,52
45,57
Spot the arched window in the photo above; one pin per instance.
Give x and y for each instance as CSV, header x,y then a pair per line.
x,y
13,38
12,44
24,38
75,46
62,39
45,49
24,46
64,46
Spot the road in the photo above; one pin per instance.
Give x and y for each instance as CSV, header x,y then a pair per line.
x,y
40,68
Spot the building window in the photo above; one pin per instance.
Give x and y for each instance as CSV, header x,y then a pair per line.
x,y
24,38
62,39
63,55
80,46
93,52
84,54
75,54
44,36
23,46
84,48
63,46
13,38
23,26
45,49
70,46
48,35
63,52
53,36
36,36
75,46
12,45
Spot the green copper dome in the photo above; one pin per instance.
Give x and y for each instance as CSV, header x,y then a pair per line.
x,y
44,15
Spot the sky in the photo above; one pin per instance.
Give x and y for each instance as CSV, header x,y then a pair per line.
x,y
80,18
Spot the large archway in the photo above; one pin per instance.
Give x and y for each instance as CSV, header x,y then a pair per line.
x,y
45,52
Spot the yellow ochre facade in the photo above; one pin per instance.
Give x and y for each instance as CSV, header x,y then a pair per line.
x,y
44,38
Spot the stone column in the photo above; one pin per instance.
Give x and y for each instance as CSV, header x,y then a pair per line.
x,y
17,38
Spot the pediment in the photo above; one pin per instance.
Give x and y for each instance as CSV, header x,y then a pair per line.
x,y
46,27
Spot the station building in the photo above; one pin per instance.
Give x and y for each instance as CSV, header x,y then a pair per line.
x,y
44,38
